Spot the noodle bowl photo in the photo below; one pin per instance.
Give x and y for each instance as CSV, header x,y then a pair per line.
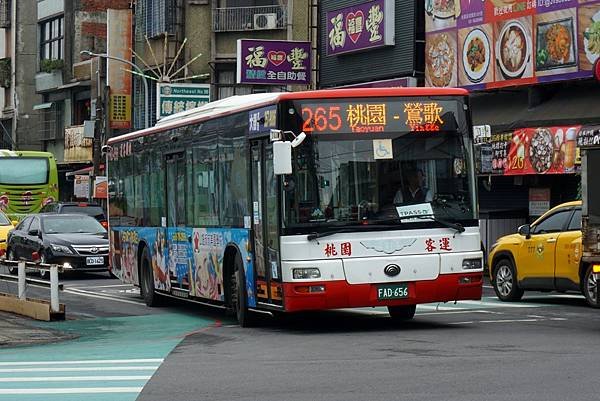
x,y
513,49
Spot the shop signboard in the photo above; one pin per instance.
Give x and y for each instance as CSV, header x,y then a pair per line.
x,y
81,186
496,43
174,98
539,201
273,62
101,187
360,27
118,79
78,148
546,150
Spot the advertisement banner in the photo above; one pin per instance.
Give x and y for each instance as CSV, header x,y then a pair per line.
x,y
361,27
118,44
101,187
542,151
78,148
496,43
174,98
273,62
81,186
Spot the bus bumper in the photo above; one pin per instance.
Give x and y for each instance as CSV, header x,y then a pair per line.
x,y
318,295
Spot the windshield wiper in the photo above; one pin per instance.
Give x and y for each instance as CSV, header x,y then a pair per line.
x,y
314,235
455,226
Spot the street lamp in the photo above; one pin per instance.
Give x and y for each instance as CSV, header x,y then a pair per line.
x,y
138,69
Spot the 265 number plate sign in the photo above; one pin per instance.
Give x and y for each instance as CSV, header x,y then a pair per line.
x,y
378,115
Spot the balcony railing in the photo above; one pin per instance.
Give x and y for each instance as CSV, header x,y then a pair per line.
x,y
4,13
249,18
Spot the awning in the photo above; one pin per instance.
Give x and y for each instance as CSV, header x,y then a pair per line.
x,y
42,106
83,171
508,110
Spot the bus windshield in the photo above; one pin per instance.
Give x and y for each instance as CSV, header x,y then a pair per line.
x,y
370,174
23,171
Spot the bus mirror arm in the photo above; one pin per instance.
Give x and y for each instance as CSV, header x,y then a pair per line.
x,y
105,149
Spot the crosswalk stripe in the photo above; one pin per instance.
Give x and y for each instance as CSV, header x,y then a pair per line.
x,y
79,369
83,362
70,378
71,390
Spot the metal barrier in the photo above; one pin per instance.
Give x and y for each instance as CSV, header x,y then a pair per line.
x,y
55,311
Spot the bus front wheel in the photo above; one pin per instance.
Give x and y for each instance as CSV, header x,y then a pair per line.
x,y
239,297
402,313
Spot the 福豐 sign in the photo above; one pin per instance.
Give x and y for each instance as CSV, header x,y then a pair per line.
x,y
174,98
273,62
490,44
361,27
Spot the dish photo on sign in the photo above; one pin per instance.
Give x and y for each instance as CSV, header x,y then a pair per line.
x,y
440,60
589,29
556,47
475,55
441,14
513,49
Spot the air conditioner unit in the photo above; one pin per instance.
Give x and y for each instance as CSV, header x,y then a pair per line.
x,y
265,21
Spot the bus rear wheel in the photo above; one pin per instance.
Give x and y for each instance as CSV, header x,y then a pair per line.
x,y
239,297
402,313
147,280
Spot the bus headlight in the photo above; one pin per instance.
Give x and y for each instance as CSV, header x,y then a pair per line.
x,y
471,264
306,273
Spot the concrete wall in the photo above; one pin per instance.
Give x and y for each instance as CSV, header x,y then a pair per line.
x,y
197,30
26,65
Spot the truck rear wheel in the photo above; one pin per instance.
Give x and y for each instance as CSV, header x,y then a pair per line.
x,y
589,288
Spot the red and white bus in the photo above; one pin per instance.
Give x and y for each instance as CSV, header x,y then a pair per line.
x,y
288,202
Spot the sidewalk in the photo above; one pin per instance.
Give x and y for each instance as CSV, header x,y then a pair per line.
x,y
20,331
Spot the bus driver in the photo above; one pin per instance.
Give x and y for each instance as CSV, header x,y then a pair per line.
x,y
415,192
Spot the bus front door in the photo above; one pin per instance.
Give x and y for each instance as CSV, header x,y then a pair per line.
x,y
265,224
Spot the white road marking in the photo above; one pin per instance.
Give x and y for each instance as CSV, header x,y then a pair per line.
x,y
87,361
70,378
103,286
71,390
85,369
507,321
102,296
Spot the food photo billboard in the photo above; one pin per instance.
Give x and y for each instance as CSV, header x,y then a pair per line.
x,y
482,44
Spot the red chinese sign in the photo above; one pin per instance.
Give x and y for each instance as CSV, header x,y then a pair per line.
x,y
331,250
443,244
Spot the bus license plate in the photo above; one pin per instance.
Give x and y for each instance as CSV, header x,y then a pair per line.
x,y
392,291
94,260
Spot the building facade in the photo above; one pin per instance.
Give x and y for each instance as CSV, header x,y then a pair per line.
x,y
195,42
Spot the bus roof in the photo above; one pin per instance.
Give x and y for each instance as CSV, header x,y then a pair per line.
x,y
238,103
24,153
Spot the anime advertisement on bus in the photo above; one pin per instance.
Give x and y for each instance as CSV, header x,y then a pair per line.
x,y
191,258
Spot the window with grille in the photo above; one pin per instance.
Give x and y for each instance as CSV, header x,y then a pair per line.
x,y
52,122
4,13
52,39
157,17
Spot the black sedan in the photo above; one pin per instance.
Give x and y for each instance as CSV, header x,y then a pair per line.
x,y
73,240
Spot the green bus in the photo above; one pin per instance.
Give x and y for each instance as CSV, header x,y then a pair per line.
x,y
28,181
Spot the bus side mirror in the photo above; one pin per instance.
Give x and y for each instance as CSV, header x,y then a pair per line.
x,y
282,158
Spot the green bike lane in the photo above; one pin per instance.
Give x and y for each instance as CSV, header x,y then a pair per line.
x,y
112,358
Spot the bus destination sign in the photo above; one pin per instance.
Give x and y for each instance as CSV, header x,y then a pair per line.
x,y
376,115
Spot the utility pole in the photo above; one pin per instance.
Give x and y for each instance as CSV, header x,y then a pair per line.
x,y
98,115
